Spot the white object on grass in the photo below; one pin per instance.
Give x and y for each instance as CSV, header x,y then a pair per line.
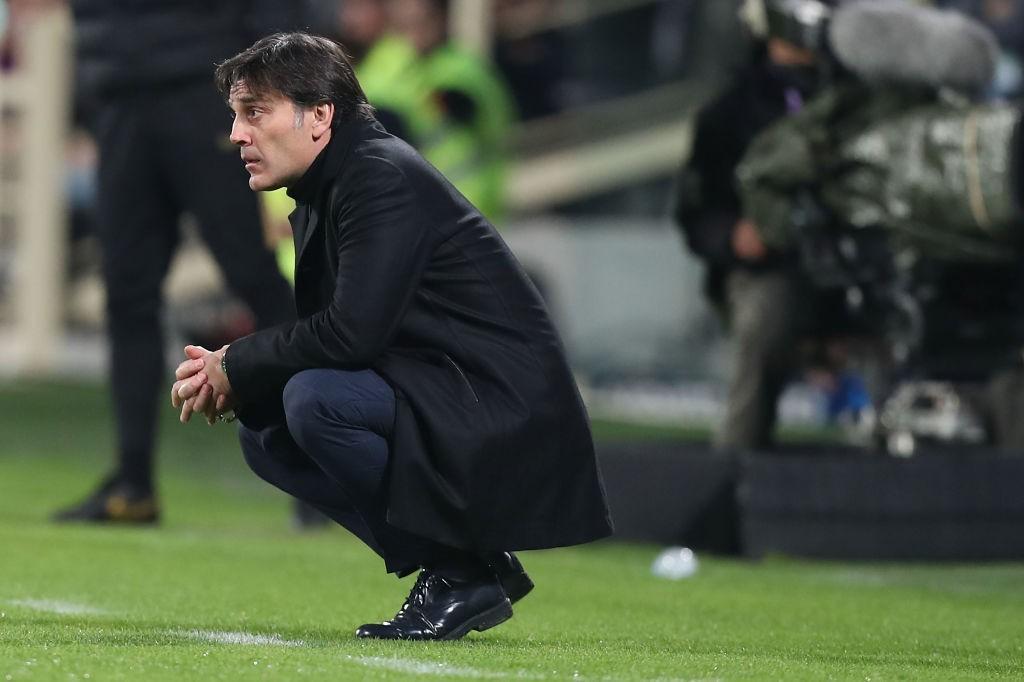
x,y
675,563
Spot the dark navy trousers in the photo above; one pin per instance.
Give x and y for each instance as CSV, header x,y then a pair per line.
x,y
332,453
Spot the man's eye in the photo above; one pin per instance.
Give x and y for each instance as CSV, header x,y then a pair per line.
x,y
253,113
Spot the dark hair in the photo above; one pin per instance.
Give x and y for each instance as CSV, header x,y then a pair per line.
x,y
308,70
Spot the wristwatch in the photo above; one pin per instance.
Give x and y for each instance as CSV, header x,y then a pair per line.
x,y
230,415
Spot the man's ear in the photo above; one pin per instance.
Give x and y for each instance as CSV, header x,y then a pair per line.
x,y
323,117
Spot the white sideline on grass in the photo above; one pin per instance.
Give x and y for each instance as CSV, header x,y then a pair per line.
x,y
63,608
442,669
414,667
400,665
247,638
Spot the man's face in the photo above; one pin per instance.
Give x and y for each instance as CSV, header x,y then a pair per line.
x,y
276,138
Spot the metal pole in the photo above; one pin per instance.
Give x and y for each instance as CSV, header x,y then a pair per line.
x,y
41,215
471,24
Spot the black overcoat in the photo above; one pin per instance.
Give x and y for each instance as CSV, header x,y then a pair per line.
x,y
398,272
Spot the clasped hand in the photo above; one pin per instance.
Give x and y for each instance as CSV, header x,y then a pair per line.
x,y
201,385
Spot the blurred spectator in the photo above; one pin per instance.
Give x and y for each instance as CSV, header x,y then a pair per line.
x,y
382,60
161,129
463,111
758,291
533,61
359,25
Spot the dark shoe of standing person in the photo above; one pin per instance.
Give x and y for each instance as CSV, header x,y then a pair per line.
x,y
511,574
115,501
442,608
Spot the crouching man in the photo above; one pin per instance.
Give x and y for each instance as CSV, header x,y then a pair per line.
x,y
423,400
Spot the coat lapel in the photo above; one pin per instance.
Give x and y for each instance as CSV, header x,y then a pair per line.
x,y
298,220
310,221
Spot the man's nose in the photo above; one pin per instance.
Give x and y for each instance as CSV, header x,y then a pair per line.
x,y
239,135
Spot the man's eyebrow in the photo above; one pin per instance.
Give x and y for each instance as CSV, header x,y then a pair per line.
x,y
245,99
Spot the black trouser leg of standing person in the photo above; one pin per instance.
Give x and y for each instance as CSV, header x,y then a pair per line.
x,y
138,230
162,154
214,187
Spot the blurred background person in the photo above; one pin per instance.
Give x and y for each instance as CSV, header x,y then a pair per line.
x,y
463,111
381,58
144,70
535,64
359,25
759,291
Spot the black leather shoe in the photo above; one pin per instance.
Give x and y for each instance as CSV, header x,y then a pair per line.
x,y
439,608
115,501
510,572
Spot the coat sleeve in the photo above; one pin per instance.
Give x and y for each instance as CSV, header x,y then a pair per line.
x,y
383,248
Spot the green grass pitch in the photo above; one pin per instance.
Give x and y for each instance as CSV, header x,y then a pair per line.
x,y
224,590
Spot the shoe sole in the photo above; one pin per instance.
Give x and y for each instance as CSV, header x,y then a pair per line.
x,y
493,616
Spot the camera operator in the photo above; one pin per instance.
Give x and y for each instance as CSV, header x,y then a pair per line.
x,y
899,142
903,145
756,289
